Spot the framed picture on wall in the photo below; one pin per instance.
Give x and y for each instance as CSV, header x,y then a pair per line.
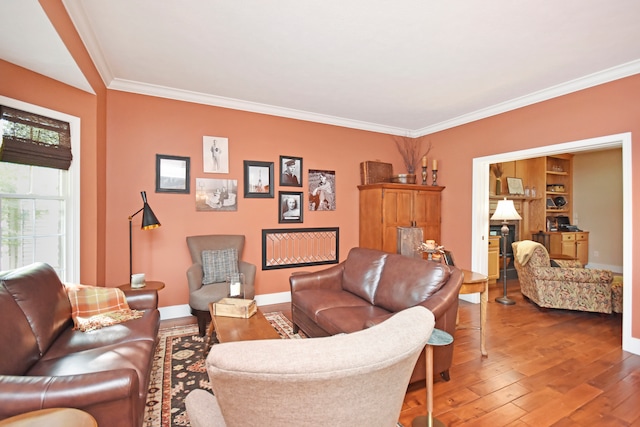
x,y
172,174
258,179
216,195
322,190
290,171
289,207
215,154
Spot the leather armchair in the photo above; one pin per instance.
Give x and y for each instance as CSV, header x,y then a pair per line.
x,y
357,379
567,286
200,296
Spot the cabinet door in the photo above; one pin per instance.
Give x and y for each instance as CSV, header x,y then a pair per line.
x,y
426,213
582,251
396,212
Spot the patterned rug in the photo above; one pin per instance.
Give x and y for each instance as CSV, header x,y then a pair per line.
x,y
178,368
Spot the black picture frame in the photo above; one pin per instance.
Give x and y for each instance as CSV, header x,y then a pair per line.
x,y
288,213
295,178
172,174
258,180
300,247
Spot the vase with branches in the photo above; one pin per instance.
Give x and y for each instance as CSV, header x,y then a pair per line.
x,y
411,151
496,168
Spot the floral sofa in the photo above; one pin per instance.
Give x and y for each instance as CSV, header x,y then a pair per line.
x,y
564,285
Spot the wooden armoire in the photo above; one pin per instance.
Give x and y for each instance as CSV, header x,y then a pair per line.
x,y
386,206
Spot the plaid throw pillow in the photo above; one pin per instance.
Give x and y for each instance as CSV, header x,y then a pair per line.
x,y
217,265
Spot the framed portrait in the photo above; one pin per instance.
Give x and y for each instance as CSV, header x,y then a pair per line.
x,y
289,207
322,190
216,195
290,171
258,179
515,186
215,154
172,174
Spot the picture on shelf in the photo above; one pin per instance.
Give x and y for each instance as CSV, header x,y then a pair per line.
x,y
515,186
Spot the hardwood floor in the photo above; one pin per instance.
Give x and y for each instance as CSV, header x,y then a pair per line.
x,y
545,368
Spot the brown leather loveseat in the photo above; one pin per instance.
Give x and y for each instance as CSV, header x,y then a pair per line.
x,y
45,363
368,287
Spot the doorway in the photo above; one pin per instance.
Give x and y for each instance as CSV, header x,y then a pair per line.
x,y
480,207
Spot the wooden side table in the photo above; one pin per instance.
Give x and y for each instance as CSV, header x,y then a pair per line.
x,y
472,283
52,417
150,284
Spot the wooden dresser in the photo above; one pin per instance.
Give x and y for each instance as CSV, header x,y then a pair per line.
x,y
386,206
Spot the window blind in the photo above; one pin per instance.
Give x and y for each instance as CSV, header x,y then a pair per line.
x,y
32,139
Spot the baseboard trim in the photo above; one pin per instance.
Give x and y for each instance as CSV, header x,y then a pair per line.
x,y
178,311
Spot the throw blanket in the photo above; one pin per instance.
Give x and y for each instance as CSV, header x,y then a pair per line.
x,y
524,250
95,307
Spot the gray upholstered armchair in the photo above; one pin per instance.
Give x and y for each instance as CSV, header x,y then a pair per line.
x,y
201,295
356,379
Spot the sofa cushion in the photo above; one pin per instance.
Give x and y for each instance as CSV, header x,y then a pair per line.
x,y
406,282
15,333
362,271
313,301
42,297
338,320
217,265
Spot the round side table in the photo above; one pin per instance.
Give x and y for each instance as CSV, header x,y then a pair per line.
x,y
52,417
438,338
149,284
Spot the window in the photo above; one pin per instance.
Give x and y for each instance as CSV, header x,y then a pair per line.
x,y
39,207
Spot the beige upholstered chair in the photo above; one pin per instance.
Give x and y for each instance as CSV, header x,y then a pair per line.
x,y
356,379
201,295
566,285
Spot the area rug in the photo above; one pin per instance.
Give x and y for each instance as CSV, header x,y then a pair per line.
x,y
178,367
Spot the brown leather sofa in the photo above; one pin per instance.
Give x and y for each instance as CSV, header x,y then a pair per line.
x,y
368,287
45,363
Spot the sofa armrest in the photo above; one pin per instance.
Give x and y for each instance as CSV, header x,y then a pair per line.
x,y
115,388
146,299
447,295
580,275
329,278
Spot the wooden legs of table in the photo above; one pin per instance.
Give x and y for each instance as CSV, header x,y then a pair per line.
x,y
484,299
428,420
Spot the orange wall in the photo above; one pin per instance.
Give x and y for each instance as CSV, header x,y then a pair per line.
x,y
26,86
139,127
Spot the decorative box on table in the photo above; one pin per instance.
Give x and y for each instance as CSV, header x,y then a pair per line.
x,y
235,307
374,172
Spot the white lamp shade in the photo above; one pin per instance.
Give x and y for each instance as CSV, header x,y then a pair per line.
x,y
505,211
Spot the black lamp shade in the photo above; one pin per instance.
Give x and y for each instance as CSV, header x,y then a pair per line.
x,y
149,219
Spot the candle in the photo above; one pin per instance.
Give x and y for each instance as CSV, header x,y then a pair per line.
x,y
435,165
424,161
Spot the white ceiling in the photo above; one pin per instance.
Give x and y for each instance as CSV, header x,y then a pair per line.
x,y
407,67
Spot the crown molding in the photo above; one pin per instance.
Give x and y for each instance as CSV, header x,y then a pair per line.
x,y
252,107
611,74
591,80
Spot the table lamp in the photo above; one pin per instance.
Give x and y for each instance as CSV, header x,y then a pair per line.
x,y
149,221
505,212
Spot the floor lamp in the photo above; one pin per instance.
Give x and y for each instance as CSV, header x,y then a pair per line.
x,y
149,221
505,212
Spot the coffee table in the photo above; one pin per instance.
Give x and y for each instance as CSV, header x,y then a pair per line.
x,y
228,329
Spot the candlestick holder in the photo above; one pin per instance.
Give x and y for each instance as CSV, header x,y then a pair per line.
x,y
434,177
424,175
